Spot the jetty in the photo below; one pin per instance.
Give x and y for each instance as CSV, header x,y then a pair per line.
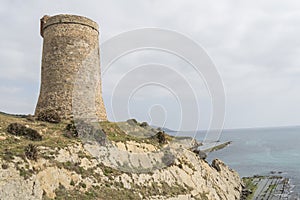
x,y
266,188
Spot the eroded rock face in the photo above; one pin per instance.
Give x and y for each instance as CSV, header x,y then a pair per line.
x,y
13,186
74,169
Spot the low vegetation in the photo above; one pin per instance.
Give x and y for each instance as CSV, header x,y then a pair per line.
x,y
249,188
21,130
26,140
31,152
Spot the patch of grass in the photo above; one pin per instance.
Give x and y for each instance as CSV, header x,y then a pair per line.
x,y
82,154
115,133
7,155
71,166
96,192
271,187
118,194
14,147
108,171
249,185
53,135
161,189
26,173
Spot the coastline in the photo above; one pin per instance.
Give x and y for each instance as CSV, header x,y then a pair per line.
x,y
270,187
273,186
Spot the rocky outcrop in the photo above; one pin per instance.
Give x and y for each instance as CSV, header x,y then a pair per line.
x,y
188,178
67,168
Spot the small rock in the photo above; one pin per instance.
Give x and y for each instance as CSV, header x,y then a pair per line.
x,y
217,164
2,138
131,121
201,154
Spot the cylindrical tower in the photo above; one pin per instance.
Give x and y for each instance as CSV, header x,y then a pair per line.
x,y
70,76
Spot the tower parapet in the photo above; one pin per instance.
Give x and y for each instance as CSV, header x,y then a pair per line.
x,y
70,57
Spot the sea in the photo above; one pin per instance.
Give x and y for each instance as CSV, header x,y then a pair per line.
x,y
260,151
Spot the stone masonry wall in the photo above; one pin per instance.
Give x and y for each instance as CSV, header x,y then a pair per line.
x,y
70,79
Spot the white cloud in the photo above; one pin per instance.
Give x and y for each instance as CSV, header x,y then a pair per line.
x,y
254,44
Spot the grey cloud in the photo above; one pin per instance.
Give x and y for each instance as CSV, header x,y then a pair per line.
x,y
254,44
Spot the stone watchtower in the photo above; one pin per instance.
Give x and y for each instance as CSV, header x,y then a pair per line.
x,y
70,75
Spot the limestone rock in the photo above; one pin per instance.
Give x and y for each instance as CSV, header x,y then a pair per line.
x,y
126,169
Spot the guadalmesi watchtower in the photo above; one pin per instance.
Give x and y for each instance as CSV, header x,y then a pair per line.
x,y
70,68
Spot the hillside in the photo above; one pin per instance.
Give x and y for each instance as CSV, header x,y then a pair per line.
x,y
41,160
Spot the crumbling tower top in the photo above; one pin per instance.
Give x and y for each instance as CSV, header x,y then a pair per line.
x,y
47,21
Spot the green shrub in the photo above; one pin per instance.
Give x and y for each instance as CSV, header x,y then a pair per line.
x,y
144,124
4,166
16,129
21,130
72,182
31,152
71,131
161,136
32,134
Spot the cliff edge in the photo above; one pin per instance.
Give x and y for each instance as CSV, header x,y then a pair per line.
x,y
42,160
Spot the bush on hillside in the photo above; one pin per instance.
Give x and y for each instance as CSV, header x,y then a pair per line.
x,y
21,130
31,152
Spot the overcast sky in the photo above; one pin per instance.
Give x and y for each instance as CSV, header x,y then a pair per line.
x,y
254,44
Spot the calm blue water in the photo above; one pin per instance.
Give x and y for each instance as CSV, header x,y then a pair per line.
x,y
260,151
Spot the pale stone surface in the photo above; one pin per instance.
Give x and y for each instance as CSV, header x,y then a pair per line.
x,y
188,171
224,187
193,172
179,197
126,180
50,178
135,147
12,186
2,137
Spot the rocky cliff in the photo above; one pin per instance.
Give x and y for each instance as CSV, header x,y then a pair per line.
x,y
41,160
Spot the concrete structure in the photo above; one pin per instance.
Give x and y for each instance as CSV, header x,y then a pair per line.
x,y
70,77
